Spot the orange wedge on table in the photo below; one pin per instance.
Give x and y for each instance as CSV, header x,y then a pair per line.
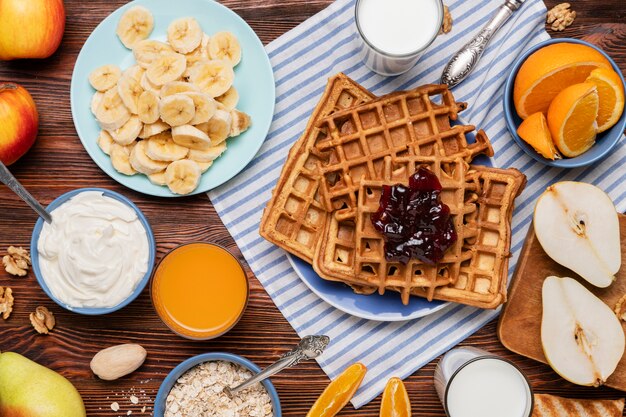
x,y
611,94
339,392
549,70
395,402
534,130
572,118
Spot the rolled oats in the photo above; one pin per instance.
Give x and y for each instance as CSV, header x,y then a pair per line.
x,y
199,393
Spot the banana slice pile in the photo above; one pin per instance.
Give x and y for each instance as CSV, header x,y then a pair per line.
x,y
169,115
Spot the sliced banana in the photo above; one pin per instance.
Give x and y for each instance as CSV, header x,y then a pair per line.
x,y
177,110
184,34
127,134
205,107
191,137
163,148
120,159
175,87
198,54
152,129
157,178
218,128
204,166
142,162
105,141
105,77
111,112
135,72
182,177
135,25
212,77
129,90
229,99
95,101
166,68
224,45
148,86
207,155
240,122
148,107
146,51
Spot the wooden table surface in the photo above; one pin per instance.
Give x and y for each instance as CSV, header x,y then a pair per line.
x,y
58,163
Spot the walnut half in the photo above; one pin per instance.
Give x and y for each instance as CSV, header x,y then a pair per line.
x,y
17,261
446,26
42,320
6,302
620,308
560,16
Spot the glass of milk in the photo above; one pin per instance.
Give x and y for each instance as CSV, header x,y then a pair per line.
x,y
472,382
394,33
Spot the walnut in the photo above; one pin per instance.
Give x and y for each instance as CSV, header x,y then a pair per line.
x,y
42,320
560,16
17,261
6,302
446,26
620,308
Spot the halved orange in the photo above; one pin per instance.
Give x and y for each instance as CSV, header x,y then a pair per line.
x,y
551,69
534,130
572,118
611,93
395,401
339,392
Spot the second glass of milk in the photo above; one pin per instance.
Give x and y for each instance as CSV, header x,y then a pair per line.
x,y
395,33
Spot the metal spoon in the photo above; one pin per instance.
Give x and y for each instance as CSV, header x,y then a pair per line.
x,y
10,181
310,347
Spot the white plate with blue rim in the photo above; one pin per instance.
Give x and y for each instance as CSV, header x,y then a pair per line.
x,y
387,307
254,80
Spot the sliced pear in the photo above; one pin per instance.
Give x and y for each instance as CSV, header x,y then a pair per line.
x,y
582,339
577,225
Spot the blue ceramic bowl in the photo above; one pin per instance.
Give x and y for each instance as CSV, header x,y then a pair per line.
x,y
93,311
172,377
605,141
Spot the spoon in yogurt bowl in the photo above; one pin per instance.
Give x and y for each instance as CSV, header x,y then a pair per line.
x,y
10,181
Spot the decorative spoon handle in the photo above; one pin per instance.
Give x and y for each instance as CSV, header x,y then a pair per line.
x,y
310,347
463,62
10,181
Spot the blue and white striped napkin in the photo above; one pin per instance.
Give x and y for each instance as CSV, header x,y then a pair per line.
x,y
303,59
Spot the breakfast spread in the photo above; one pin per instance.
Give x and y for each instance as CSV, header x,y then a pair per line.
x,y
95,251
169,115
390,194
200,290
200,392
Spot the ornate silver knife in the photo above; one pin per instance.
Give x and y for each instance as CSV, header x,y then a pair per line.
x,y
463,62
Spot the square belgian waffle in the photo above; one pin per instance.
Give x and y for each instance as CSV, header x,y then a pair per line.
x,y
473,271
355,141
294,217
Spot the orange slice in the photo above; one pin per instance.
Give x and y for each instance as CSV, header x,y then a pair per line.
x,y
551,69
395,401
611,93
534,130
572,118
339,392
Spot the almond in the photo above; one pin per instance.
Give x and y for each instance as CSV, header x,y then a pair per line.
x,y
116,361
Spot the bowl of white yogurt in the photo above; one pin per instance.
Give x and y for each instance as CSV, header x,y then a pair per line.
x,y
98,253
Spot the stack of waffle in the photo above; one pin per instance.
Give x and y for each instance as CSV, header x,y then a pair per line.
x,y
354,144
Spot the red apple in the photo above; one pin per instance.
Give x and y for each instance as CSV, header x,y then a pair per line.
x,y
30,28
19,122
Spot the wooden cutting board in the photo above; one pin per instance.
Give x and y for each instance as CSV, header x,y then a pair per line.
x,y
519,328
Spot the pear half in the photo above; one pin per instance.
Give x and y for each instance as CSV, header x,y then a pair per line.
x,y
582,339
577,225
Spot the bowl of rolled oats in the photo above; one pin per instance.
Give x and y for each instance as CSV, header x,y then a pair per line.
x,y
195,388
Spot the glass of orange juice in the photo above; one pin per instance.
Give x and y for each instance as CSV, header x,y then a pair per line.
x,y
199,290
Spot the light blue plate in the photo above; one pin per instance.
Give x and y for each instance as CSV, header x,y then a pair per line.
x,y
387,307
254,80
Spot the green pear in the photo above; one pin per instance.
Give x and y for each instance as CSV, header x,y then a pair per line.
x,y
28,389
